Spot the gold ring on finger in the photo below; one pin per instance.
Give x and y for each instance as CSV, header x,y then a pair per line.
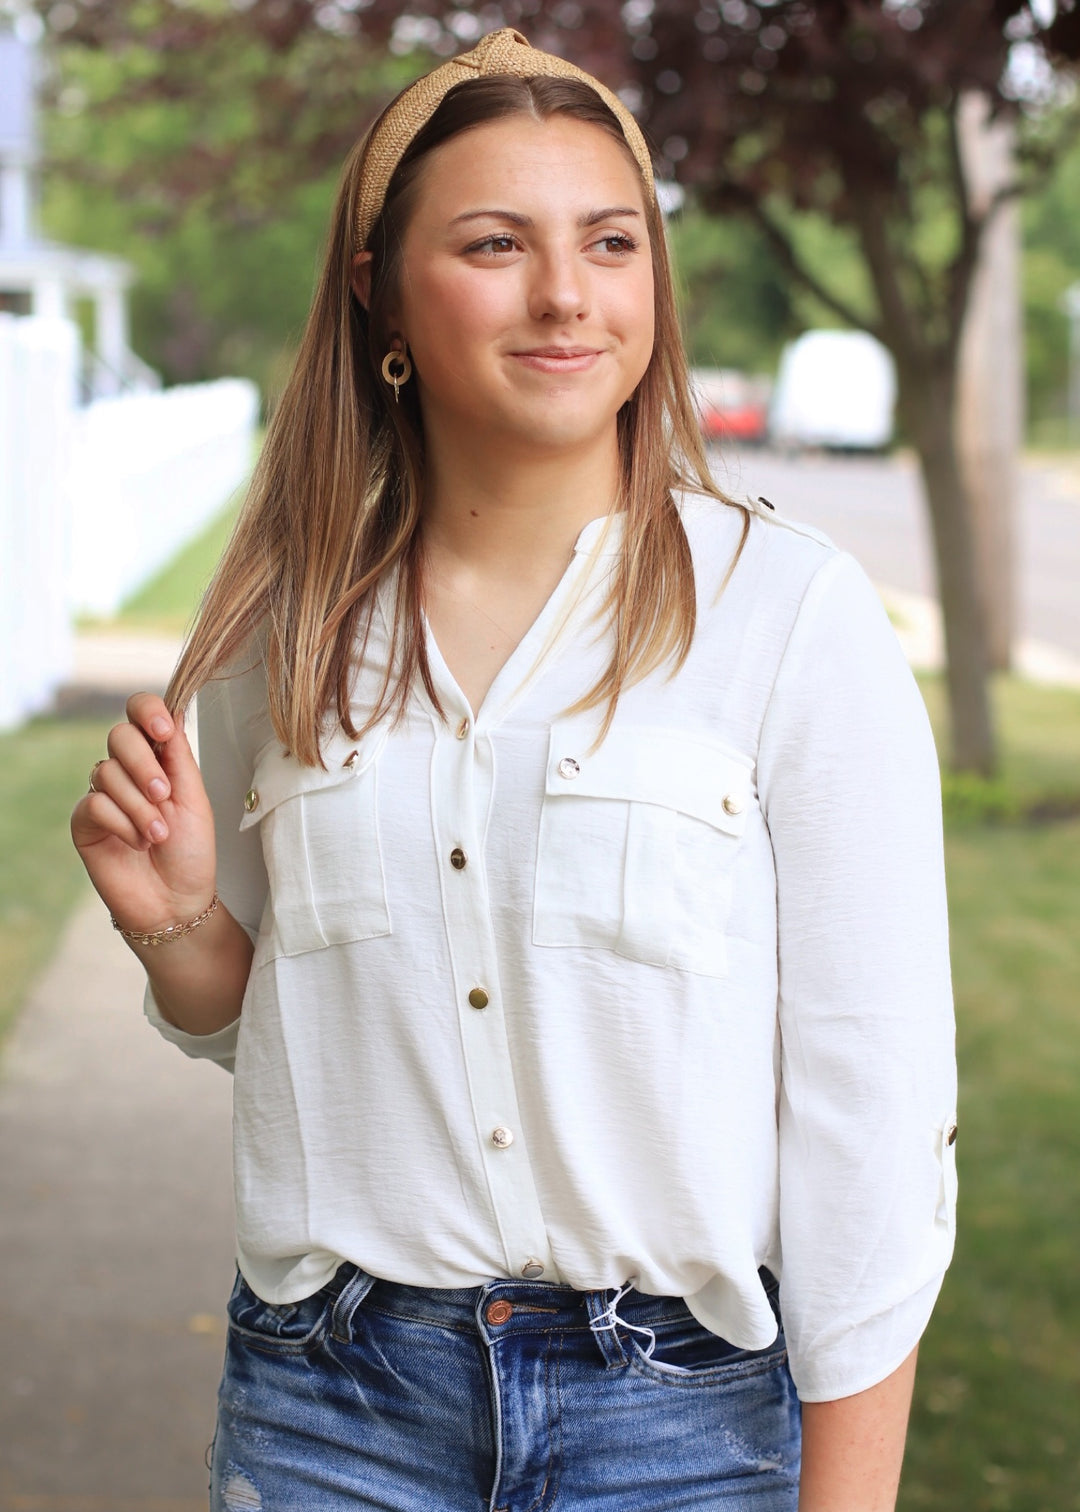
x,y
93,774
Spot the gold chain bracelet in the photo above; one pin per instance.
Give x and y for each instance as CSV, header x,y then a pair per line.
x,y
173,932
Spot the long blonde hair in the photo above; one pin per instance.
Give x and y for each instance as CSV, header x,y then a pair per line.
x,y
336,500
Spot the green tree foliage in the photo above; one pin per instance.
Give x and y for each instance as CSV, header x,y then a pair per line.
x,y
204,144
740,306
737,304
1051,263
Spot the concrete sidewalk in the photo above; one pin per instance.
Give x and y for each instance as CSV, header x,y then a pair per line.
x,y
116,1224
918,625
115,1244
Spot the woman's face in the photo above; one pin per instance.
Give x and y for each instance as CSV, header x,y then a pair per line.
x,y
526,293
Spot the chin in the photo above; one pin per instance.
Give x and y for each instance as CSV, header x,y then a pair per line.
x,y
569,437
560,423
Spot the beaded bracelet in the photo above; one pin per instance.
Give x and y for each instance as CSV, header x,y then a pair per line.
x,y
172,932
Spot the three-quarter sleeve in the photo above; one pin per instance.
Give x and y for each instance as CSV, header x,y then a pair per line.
x,y
231,723
850,789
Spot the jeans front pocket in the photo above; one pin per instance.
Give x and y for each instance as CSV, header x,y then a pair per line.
x,y
638,843
320,840
280,1328
685,1352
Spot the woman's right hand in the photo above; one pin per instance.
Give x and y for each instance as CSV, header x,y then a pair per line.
x,y
146,835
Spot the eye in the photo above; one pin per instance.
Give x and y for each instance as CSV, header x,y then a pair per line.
x,y
617,243
495,245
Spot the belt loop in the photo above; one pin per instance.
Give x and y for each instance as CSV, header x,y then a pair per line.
x,y
351,1295
603,1330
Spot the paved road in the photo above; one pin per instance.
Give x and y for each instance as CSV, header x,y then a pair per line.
x,y
875,510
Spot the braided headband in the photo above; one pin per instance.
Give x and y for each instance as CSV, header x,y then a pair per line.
x,y
500,52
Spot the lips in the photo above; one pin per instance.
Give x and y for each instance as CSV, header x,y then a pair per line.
x,y
558,359
559,351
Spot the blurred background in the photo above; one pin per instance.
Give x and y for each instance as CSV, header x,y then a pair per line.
x,y
874,211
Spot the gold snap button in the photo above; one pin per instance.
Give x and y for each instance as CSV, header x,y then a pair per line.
x,y
532,1270
950,1135
499,1312
251,800
568,768
462,729
478,998
458,859
731,804
502,1138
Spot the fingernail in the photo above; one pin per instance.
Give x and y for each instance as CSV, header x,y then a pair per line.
x,y
158,830
160,726
158,788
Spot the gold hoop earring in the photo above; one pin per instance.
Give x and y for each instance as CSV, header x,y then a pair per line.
x,y
396,369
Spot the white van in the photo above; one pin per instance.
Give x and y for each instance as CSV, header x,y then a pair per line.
x,y
834,389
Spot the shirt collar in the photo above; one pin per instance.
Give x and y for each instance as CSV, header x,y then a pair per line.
x,y
602,537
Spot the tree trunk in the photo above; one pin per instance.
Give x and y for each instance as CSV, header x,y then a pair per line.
x,y
990,393
927,402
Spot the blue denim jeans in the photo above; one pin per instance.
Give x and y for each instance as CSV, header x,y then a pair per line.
x,y
511,1397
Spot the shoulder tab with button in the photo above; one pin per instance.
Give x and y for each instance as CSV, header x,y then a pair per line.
x,y
771,515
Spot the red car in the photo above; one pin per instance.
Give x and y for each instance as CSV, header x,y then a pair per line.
x,y
731,406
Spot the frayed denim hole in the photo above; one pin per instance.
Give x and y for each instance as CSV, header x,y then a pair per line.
x,y
239,1492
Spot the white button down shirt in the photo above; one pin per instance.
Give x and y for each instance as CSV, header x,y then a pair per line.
x,y
669,1009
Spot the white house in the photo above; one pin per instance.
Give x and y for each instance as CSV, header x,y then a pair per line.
x,y
41,277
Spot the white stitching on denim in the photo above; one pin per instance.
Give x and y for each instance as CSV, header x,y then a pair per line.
x,y
610,1313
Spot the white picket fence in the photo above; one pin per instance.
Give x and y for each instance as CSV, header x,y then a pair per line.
x,y
93,501
150,470
38,372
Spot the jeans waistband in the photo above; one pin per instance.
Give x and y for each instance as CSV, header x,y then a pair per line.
x,y
501,1306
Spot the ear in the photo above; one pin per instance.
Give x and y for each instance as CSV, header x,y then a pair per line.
x,y
361,278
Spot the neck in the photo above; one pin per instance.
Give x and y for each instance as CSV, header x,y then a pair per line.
x,y
493,511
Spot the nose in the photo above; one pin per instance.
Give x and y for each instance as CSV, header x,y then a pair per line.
x,y
559,288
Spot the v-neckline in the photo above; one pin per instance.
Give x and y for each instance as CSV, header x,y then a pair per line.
x,y
600,536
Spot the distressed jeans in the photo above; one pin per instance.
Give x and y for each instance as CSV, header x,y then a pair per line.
x,y
516,1396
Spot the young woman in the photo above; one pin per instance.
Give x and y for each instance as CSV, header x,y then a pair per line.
x,y
575,919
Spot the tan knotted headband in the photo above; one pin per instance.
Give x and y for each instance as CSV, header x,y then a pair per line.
x,y
500,52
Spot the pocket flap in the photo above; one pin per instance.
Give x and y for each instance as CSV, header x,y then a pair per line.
x,y
688,774
278,775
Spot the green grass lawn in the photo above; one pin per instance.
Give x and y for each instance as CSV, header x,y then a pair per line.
x,y
998,1399
994,1427
43,770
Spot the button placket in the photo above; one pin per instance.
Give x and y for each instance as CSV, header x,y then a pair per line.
x,y
461,789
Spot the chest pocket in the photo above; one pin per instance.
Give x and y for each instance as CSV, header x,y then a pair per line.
x,y
637,845
320,841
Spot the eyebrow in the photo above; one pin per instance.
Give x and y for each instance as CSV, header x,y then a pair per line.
x,y
593,218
